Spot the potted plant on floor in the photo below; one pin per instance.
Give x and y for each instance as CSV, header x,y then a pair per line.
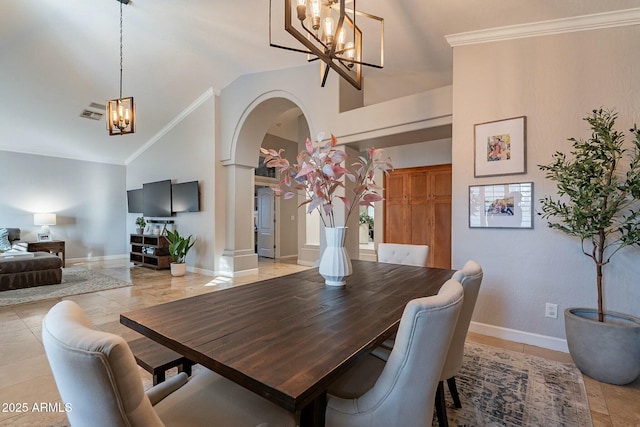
x,y
599,205
178,248
140,225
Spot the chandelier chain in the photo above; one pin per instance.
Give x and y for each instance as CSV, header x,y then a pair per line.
x,y
120,50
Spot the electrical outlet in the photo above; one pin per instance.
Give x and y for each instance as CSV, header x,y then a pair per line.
x,y
551,310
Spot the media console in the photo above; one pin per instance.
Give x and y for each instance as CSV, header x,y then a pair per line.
x,y
149,251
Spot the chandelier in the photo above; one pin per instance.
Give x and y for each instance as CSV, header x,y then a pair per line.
x,y
331,32
121,111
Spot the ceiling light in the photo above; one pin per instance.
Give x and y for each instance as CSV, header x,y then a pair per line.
x,y
121,111
328,31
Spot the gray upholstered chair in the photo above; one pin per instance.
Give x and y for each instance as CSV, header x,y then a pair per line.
x,y
396,253
97,375
402,391
470,277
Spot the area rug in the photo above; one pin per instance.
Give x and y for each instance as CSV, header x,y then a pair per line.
x,y
503,388
75,280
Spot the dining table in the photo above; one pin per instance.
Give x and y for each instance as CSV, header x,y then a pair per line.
x,y
289,338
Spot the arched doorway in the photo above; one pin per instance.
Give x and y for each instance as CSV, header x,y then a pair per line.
x,y
239,257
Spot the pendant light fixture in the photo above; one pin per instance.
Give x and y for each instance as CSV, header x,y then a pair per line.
x,y
121,112
329,32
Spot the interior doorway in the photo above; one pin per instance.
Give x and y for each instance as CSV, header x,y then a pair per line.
x,y
265,222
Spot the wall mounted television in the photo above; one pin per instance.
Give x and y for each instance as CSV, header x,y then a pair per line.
x,y
157,198
185,197
135,202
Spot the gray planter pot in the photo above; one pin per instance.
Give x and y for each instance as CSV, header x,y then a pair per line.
x,y
607,351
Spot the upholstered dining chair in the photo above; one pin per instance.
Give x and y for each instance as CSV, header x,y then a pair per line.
x,y
470,277
402,391
396,253
96,374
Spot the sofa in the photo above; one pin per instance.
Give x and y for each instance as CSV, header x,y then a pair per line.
x,y
27,269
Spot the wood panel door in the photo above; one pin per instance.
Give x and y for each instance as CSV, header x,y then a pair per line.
x,y
396,214
418,210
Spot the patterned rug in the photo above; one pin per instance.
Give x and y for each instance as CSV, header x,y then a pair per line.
x,y
507,389
75,280
501,388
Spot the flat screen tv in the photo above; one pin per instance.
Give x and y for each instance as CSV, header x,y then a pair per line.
x,y
184,197
157,198
134,201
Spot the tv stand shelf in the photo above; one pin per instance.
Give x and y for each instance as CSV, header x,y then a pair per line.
x,y
149,250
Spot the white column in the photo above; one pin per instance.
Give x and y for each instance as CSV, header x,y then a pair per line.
x,y
239,257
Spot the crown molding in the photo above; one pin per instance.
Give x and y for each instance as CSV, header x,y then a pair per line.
x,y
173,123
618,18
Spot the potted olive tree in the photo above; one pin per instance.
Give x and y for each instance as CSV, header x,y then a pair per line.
x,y
598,204
178,248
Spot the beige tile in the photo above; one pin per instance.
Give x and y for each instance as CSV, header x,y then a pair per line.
x,y
28,393
557,356
20,328
623,403
594,394
14,351
495,342
40,419
601,420
24,369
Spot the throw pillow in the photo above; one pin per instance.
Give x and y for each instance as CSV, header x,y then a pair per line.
x,y
5,244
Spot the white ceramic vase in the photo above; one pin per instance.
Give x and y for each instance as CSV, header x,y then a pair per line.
x,y
335,265
178,269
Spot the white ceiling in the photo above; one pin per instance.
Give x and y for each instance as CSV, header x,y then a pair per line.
x,y
56,57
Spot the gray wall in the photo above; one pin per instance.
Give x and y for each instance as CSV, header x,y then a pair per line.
x,y
88,199
183,153
555,81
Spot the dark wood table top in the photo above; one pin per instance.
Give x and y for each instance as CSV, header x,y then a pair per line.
x,y
289,337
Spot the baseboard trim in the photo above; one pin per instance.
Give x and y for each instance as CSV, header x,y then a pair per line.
x,y
202,271
529,338
96,258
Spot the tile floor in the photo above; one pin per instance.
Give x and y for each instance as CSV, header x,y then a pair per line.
x,y
29,397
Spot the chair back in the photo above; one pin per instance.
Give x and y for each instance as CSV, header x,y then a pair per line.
x,y
404,393
95,371
396,253
470,277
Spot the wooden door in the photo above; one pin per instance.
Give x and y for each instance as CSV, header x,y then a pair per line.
x,y
418,210
396,214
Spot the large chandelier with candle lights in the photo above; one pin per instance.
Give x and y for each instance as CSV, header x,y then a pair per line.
x,y
332,33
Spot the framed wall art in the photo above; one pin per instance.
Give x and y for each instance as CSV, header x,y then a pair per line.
x,y
500,147
501,205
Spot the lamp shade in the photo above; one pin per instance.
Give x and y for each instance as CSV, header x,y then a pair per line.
x,y
44,219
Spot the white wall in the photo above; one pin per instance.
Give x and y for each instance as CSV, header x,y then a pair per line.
x,y
186,153
428,153
88,198
555,81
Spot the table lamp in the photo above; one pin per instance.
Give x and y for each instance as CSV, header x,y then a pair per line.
x,y
45,220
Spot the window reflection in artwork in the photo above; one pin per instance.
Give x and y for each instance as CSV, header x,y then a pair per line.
x,y
501,205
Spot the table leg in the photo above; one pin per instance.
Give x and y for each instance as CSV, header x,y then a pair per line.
x,y
313,414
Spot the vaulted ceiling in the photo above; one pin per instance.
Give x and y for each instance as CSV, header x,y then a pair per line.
x,y
57,57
